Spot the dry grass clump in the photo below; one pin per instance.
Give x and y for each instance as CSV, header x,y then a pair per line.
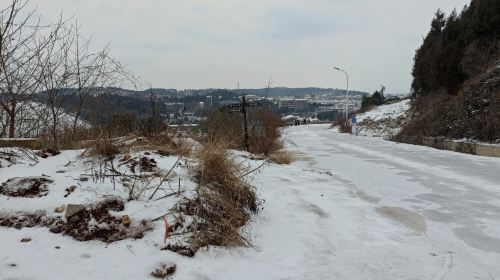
x,y
224,201
168,145
343,125
282,157
105,148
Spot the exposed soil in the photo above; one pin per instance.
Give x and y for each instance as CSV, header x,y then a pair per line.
x,y
164,153
47,153
143,164
164,270
26,187
88,222
184,250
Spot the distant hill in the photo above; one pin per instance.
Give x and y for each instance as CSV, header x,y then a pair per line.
x,y
271,92
106,102
284,91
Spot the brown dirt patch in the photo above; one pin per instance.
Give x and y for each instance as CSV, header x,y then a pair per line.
x,y
91,222
47,153
26,187
142,164
184,250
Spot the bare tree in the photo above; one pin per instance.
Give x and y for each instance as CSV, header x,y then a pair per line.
x,y
56,77
92,70
94,73
50,62
20,48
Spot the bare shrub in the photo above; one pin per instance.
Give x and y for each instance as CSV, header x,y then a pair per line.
x,y
119,124
343,125
105,148
265,132
224,201
264,129
224,127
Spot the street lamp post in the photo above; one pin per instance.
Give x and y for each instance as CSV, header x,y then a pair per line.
x,y
346,94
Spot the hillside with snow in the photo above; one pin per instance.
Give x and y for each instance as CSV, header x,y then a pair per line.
x,y
383,121
35,118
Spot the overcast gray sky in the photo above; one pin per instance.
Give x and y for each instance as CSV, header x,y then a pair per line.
x,y
217,43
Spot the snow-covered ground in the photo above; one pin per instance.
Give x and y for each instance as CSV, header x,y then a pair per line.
x,y
390,111
349,208
383,121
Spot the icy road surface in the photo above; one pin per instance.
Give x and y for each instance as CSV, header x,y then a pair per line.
x,y
389,211
349,208
361,208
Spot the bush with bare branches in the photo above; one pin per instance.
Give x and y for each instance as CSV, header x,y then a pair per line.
x,y
264,128
343,125
224,201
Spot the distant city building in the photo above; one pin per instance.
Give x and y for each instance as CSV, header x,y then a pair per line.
x,y
252,97
293,104
228,102
175,108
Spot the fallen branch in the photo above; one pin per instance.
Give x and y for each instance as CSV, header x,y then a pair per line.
x,y
161,217
168,195
253,170
165,178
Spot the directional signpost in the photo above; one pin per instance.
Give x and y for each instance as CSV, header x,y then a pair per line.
x,y
242,108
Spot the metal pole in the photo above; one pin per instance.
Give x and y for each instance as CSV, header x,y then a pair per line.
x,y
346,94
347,98
245,125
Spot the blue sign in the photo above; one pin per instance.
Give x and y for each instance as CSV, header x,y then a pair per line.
x,y
353,119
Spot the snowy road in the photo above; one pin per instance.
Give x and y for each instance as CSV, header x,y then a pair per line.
x,y
388,210
349,208
361,208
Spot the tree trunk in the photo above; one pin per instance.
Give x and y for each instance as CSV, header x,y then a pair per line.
x,y
78,111
12,123
54,133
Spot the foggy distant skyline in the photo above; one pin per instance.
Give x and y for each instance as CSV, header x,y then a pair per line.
x,y
219,43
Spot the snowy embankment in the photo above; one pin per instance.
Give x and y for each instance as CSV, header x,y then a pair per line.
x,y
349,208
72,182
383,121
35,118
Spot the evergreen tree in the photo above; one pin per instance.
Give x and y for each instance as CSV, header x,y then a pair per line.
x,y
441,62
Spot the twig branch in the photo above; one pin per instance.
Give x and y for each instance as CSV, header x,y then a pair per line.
x,y
255,169
168,195
165,178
